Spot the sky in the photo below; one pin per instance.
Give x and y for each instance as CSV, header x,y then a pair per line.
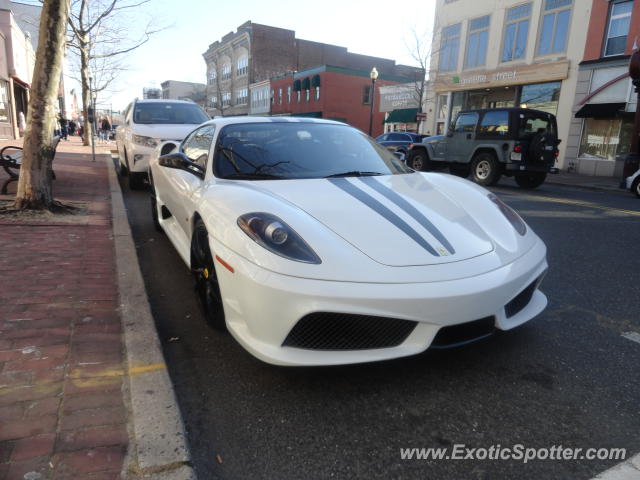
x,y
375,27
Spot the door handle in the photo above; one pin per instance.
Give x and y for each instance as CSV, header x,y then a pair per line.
x,y
468,136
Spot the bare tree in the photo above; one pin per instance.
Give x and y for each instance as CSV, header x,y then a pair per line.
x,y
100,38
419,46
34,185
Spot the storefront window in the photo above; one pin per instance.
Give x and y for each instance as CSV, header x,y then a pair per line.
x,y
501,97
600,138
541,96
4,102
457,102
442,107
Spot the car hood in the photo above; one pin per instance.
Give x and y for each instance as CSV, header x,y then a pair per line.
x,y
164,132
396,220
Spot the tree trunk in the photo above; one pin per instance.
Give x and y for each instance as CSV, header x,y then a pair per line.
x,y
34,185
86,93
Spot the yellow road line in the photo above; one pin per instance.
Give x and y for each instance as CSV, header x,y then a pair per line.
x,y
577,203
147,368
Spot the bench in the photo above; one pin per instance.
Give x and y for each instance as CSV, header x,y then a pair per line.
x,y
11,160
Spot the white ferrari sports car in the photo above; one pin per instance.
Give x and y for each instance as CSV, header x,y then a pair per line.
x,y
313,245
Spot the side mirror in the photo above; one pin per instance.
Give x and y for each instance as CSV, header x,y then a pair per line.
x,y
180,161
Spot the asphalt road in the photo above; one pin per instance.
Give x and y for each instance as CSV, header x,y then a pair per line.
x,y
567,378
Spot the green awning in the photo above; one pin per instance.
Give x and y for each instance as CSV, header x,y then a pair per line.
x,y
402,115
315,81
306,84
308,114
296,86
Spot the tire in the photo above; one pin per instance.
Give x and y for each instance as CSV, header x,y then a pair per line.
x,y
530,180
123,171
418,160
205,278
635,187
485,169
460,169
136,180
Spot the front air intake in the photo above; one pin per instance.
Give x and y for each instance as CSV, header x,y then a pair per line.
x,y
343,331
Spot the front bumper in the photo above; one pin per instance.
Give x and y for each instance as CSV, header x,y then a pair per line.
x,y
262,307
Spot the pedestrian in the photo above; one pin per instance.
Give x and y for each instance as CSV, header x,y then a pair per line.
x,y
105,128
22,124
64,126
72,128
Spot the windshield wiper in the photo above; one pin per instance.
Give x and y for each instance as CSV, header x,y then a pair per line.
x,y
354,173
252,176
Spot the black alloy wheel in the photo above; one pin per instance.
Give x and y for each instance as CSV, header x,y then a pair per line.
x,y
206,281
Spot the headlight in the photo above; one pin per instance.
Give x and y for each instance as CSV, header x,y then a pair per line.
x,y
276,236
510,213
145,141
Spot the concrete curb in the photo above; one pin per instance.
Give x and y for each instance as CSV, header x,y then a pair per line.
x,y
158,447
629,470
587,186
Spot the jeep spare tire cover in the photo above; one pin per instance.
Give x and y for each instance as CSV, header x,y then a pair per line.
x,y
542,147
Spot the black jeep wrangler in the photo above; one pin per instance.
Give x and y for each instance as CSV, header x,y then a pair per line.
x,y
517,142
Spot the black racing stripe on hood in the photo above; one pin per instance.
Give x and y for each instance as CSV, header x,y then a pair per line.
x,y
347,187
409,209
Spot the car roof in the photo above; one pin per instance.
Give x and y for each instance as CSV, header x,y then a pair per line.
x,y
222,121
162,100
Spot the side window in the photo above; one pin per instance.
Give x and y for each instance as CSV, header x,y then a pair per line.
x,y
127,118
196,146
494,123
397,137
466,123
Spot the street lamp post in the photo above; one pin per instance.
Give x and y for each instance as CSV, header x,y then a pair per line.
x,y
90,119
374,77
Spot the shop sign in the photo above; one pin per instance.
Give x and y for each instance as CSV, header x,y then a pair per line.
x,y
514,76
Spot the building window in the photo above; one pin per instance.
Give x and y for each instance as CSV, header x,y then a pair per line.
x,y
541,96
212,76
273,96
600,138
555,26
307,96
449,46
213,101
242,96
515,32
366,95
317,93
280,96
289,94
226,99
619,20
298,96
226,72
4,101
477,42
242,66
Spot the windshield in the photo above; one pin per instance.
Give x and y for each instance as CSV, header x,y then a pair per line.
x,y
300,150
169,113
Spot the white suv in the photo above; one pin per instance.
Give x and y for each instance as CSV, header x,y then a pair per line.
x,y
147,123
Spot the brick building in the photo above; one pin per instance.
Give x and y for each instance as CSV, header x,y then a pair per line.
x,y
331,92
605,101
255,53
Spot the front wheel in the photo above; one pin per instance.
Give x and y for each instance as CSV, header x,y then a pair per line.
x,y
530,179
418,160
635,187
206,280
485,169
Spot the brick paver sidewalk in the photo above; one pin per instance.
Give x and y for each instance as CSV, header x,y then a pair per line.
x,y
62,413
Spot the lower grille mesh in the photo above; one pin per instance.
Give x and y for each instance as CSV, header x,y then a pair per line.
x,y
341,331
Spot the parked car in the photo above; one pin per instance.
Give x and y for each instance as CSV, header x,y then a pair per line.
x,y
633,183
313,245
517,142
399,141
147,123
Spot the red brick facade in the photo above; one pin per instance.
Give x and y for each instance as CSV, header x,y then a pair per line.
x,y
598,29
341,97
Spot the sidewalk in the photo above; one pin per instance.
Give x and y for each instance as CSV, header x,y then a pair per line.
x,y
65,373
585,181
